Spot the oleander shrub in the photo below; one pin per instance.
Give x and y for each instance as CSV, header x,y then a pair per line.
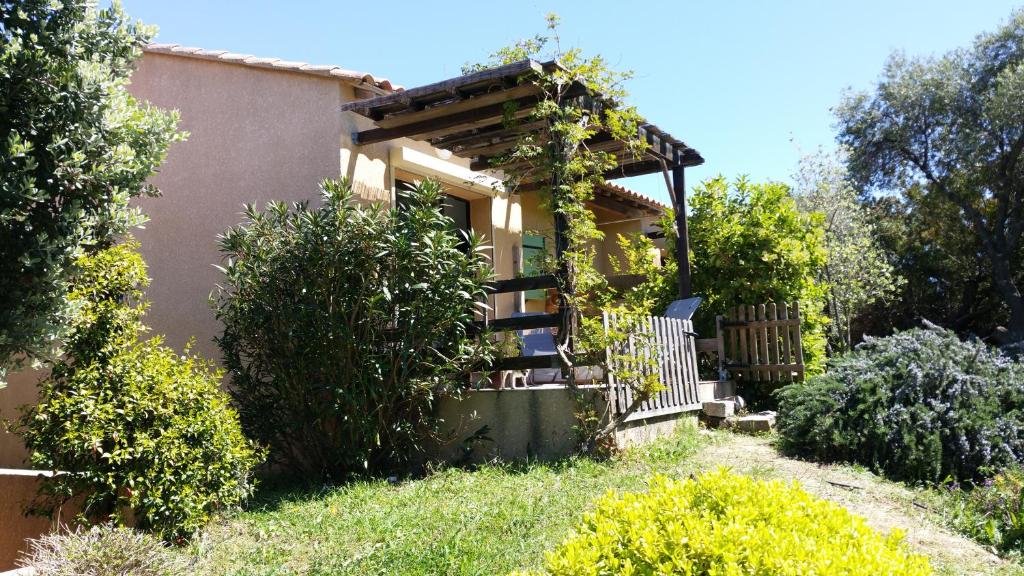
x,y
991,512
344,323
136,430
104,550
920,405
723,523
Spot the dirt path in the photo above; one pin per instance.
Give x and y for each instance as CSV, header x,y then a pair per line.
x,y
885,505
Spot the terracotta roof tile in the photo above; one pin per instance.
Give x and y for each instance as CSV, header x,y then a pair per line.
x,y
626,193
358,78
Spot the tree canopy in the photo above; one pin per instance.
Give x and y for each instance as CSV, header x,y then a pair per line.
x,y
857,271
953,126
946,276
75,148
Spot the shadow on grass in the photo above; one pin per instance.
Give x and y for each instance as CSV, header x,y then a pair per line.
x,y
276,490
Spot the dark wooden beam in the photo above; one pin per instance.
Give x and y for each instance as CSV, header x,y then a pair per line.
x,y
599,142
520,323
622,281
480,136
545,361
484,153
682,229
525,362
690,158
496,121
454,106
615,206
565,340
451,86
457,122
523,284
626,281
638,168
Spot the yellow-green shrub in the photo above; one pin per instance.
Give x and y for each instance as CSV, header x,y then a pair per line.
x,y
137,427
729,525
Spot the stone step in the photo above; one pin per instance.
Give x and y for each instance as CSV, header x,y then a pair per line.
x,y
753,423
719,408
723,407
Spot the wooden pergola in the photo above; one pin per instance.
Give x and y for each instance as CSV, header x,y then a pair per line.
x,y
469,116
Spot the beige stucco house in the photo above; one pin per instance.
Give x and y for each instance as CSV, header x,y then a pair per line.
x,y
262,129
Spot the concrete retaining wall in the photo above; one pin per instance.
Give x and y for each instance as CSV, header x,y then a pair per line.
x,y
534,423
522,423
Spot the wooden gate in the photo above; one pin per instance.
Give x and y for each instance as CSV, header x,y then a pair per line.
x,y
665,346
761,343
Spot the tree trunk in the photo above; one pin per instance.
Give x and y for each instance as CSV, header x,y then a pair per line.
x,y
1010,293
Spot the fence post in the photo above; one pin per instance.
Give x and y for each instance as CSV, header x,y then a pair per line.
x,y
798,342
720,333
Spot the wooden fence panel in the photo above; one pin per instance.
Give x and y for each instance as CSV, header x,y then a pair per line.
x,y
762,343
663,346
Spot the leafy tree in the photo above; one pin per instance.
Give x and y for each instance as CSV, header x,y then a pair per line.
x,y
750,245
954,126
343,324
857,271
946,277
75,148
139,427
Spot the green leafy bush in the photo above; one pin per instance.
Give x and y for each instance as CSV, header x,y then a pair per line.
x,y
134,426
919,405
105,550
343,324
991,512
75,148
752,245
722,523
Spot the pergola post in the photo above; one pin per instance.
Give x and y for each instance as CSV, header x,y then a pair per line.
x,y
682,229
566,277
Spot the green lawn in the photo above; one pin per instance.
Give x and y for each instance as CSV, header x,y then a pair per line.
x,y
501,518
489,521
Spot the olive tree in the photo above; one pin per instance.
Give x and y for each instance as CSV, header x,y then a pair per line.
x,y
75,148
954,125
857,271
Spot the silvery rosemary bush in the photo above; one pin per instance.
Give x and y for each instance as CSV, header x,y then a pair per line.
x,y
920,405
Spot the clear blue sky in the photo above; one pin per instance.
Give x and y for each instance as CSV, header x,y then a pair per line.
x,y
750,84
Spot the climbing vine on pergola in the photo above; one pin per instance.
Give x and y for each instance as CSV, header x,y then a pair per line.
x,y
558,127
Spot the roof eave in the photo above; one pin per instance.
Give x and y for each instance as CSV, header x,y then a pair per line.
x,y
363,80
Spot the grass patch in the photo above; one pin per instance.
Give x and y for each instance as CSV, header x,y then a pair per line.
x,y
491,520
501,518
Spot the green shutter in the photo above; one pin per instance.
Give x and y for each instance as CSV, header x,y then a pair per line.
x,y
533,252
